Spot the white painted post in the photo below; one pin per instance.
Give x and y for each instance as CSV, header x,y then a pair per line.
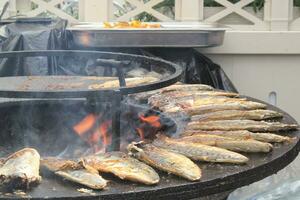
x,y
12,9
95,10
23,6
191,10
281,14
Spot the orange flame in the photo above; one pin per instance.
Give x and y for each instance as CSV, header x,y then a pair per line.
x,y
141,133
85,124
152,120
92,134
103,129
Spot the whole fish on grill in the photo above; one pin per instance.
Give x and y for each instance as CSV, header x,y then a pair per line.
x,y
237,114
75,172
250,125
191,101
180,94
123,166
243,105
165,160
200,152
197,110
20,170
241,134
182,90
129,82
240,145
186,87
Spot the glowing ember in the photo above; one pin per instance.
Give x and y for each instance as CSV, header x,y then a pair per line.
x,y
152,120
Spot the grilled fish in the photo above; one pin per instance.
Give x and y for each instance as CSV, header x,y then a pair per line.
x,y
75,172
250,125
242,134
165,160
129,82
232,144
21,169
237,114
180,94
196,110
180,90
197,151
186,87
123,166
190,101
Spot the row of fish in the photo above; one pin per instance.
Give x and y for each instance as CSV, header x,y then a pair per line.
x,y
222,124
211,109
221,127
21,169
175,156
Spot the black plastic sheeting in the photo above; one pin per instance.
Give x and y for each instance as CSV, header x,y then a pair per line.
x,y
54,36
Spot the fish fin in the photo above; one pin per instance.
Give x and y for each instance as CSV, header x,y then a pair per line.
x,y
88,167
134,148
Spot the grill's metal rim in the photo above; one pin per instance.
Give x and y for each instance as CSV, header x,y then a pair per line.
x,y
196,189
173,78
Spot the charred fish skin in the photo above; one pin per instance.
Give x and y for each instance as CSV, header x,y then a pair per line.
x,y
21,170
75,172
250,125
200,152
237,114
165,160
123,166
237,145
242,134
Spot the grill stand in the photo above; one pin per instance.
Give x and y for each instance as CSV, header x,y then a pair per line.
x,y
116,123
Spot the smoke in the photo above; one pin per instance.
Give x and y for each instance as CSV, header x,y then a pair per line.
x,y
48,125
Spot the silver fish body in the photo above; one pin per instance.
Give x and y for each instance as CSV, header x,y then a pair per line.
x,y
238,145
123,166
200,152
199,94
242,105
75,172
190,101
165,160
242,134
250,125
237,114
187,87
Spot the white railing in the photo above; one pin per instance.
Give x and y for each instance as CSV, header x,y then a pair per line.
x,y
275,15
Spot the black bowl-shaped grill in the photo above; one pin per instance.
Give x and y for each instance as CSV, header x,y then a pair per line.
x,y
57,86
44,86
216,178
